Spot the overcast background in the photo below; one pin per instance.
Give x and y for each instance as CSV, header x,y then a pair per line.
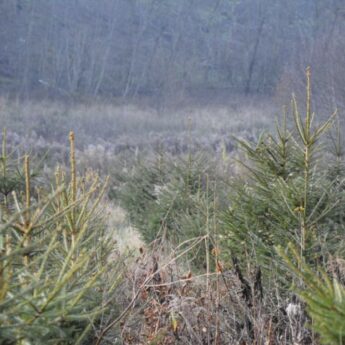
x,y
171,50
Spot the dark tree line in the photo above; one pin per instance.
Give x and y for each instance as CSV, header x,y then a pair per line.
x,y
156,48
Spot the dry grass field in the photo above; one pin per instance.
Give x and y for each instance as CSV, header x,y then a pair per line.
x,y
115,128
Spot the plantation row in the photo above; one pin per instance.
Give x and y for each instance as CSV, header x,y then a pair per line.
x,y
246,248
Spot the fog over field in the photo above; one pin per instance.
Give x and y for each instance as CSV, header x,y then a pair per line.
x,y
161,59
172,172
161,56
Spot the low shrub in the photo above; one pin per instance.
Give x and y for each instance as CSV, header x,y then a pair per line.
x,y
172,200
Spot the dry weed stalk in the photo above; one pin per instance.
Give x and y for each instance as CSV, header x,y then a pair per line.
x,y
170,307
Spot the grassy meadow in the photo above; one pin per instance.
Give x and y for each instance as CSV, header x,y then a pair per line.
x,y
124,224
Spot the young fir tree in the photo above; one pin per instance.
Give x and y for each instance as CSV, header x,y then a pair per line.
x,y
54,262
288,193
